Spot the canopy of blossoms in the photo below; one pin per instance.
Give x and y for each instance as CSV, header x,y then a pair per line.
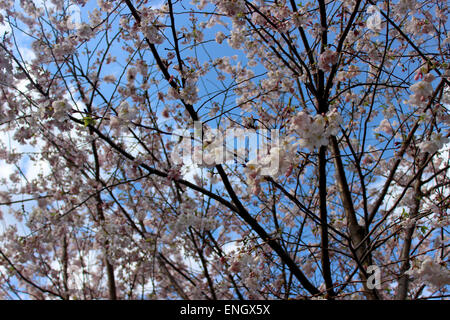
x,y
99,100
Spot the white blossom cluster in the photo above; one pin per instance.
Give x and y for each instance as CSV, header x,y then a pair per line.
x,y
430,272
327,59
422,91
60,109
231,8
374,21
126,113
247,265
305,132
315,131
434,144
84,31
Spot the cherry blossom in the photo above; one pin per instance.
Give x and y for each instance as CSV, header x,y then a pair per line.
x,y
224,149
374,21
430,271
327,59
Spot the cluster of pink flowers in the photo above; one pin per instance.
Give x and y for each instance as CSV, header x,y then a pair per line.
x,y
418,27
315,131
63,48
231,8
126,114
434,144
84,32
327,59
278,17
220,36
431,272
404,7
422,91
189,94
117,195
60,108
352,72
305,132
279,160
237,38
248,267
152,34
385,126
105,6
374,21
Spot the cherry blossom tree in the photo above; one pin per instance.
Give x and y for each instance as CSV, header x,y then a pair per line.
x,y
98,99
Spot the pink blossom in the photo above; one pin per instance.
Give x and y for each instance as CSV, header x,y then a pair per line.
x,y
84,31
220,36
327,59
422,91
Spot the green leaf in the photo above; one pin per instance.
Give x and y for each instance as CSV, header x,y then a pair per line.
x,y
88,121
423,229
405,214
